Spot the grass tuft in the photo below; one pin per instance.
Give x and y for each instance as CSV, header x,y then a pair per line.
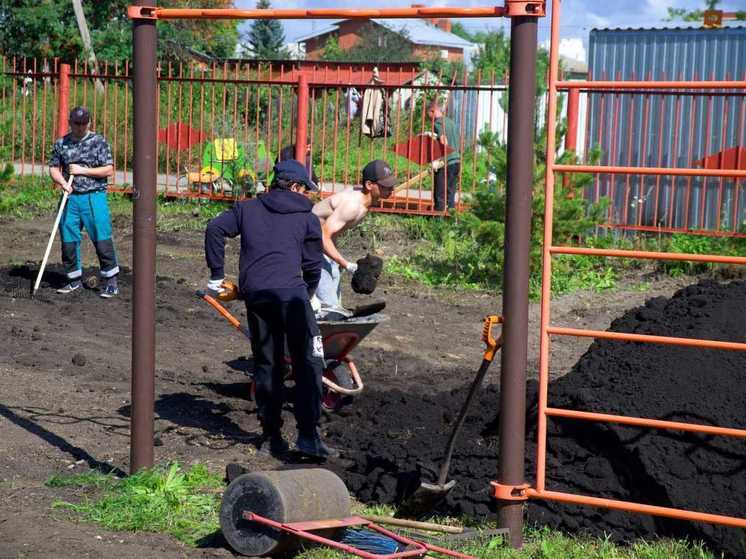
x,y
167,500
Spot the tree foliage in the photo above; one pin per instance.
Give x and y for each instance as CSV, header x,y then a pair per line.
x,y
682,14
47,29
265,39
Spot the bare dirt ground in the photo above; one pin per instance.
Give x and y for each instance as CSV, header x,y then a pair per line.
x,y
61,417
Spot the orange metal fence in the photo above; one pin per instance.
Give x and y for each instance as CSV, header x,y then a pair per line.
x,y
545,412
254,106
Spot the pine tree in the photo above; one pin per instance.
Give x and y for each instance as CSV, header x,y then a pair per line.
x,y
265,39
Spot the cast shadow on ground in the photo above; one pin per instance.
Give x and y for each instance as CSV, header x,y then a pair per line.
x,y
29,271
55,440
194,412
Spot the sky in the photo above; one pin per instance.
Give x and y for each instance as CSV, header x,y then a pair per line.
x,y
578,16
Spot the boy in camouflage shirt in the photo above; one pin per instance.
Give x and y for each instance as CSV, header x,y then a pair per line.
x,y
87,156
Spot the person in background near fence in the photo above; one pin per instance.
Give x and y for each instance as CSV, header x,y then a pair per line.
x,y
288,152
446,173
87,156
279,269
341,212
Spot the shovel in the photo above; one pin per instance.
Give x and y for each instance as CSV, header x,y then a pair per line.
x,y
428,495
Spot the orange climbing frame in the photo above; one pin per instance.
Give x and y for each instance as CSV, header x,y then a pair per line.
x,y
539,491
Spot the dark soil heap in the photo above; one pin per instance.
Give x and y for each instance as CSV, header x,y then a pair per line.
x,y
396,438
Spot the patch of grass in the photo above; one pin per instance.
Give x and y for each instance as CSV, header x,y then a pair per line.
x,y
167,500
548,544
25,197
91,478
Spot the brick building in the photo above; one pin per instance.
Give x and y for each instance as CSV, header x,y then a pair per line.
x,y
429,38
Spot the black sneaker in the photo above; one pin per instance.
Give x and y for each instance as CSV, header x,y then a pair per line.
x,y
70,287
109,291
274,443
314,447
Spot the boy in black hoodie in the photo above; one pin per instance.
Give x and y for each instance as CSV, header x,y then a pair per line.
x,y
279,269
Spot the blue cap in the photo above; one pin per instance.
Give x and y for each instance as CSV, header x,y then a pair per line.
x,y
291,170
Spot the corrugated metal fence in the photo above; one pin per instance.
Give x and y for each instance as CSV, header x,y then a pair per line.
x,y
669,129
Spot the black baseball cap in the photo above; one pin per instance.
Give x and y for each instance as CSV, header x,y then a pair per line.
x,y
379,172
80,115
291,170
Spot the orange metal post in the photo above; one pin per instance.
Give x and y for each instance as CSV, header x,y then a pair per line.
x,y
571,138
63,100
301,131
546,272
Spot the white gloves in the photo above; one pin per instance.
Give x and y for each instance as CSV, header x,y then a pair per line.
x,y
315,304
429,133
351,267
437,164
216,285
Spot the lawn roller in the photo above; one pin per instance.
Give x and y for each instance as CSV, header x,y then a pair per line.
x,y
340,336
275,512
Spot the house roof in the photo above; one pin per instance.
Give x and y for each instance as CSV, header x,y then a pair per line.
x,y
418,32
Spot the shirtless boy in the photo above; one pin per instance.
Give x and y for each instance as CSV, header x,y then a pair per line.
x,y
341,212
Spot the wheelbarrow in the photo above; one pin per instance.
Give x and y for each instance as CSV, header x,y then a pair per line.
x,y
339,338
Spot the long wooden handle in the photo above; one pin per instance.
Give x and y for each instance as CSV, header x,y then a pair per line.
x,y
410,182
405,523
51,237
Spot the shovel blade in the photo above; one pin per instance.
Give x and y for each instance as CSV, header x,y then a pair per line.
x,y
424,499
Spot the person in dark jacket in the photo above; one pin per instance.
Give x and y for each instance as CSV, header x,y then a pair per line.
x,y
279,269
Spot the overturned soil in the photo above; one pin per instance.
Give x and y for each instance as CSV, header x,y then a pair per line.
x,y
65,397
401,435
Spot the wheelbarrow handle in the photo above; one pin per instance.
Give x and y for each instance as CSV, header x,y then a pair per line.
x,y
204,295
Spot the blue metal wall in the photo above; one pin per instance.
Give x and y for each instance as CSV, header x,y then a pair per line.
x,y
668,130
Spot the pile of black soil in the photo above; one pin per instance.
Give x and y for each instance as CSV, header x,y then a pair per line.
x,y
396,438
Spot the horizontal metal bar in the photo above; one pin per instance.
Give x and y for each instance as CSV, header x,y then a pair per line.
x,y
628,506
646,338
326,13
662,92
673,171
633,84
671,230
649,255
643,422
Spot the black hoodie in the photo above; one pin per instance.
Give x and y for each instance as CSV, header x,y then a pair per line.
x,y
280,246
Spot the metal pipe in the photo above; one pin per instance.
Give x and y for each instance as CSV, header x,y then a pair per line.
x,y
301,131
64,100
652,84
680,171
546,257
523,46
637,507
388,13
646,338
144,39
647,423
679,256
571,138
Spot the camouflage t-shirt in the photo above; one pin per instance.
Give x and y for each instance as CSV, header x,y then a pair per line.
x,y
91,151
